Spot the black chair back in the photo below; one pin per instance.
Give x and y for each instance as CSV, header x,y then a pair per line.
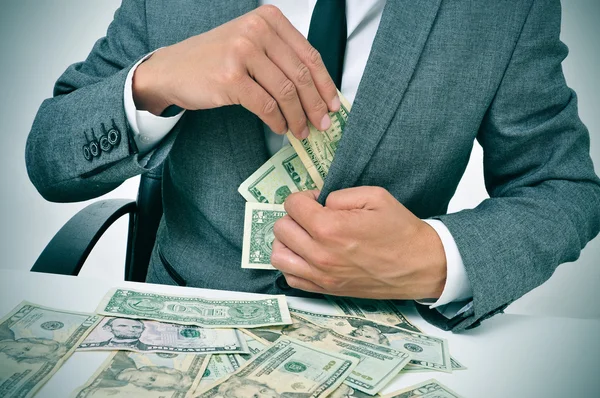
x,y
142,232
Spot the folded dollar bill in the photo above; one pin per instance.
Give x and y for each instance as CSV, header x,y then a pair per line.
x,y
190,310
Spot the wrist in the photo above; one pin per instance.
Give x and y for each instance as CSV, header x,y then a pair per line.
x,y
434,258
148,89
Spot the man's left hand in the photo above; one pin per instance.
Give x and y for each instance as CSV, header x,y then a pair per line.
x,y
362,243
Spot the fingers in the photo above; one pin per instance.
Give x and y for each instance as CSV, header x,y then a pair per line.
x,y
300,75
364,198
283,90
303,284
297,272
295,238
306,53
258,101
304,209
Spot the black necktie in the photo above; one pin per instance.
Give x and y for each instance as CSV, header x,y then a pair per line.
x,y
327,33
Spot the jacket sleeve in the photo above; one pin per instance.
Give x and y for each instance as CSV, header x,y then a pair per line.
x,y
80,146
544,203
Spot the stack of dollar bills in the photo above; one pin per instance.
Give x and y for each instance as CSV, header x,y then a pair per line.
x,y
184,346
299,166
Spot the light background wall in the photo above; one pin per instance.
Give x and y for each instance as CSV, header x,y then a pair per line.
x,y
39,39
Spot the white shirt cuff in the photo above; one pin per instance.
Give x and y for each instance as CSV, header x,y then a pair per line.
x,y
148,129
457,286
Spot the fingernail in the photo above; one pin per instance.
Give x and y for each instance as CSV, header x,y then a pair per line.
x,y
325,123
304,134
336,104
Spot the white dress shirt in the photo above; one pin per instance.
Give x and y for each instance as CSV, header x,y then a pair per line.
x,y
362,19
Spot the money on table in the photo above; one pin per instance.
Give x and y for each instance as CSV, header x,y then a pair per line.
x,y
385,311
425,350
34,342
191,310
133,374
287,367
152,336
428,389
378,364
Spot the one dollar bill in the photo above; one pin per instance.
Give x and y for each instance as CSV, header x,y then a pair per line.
x,y
34,342
318,150
428,389
189,310
132,374
125,334
258,234
286,368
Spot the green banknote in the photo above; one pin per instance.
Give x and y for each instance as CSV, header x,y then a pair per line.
x,y
275,180
190,310
219,366
428,389
34,342
286,368
425,351
318,150
152,336
258,234
385,311
133,374
455,364
377,366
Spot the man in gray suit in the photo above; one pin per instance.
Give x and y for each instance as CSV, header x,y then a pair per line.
x,y
439,75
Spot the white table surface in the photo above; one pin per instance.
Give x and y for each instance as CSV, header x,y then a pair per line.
x,y
507,356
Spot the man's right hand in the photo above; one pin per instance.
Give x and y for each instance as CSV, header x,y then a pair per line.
x,y
258,60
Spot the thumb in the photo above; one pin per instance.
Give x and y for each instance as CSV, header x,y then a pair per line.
x,y
365,198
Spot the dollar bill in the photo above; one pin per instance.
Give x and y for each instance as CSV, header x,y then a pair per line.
x,y
426,351
255,345
286,368
34,342
417,369
275,180
385,311
188,310
133,374
428,389
258,234
153,336
220,366
377,366
318,150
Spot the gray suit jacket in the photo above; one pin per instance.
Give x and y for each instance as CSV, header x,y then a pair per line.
x,y
440,75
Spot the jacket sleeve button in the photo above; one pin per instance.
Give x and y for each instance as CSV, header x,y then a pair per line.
x,y
114,137
87,154
104,144
94,148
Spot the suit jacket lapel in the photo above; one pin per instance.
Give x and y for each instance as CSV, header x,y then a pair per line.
x,y
402,34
